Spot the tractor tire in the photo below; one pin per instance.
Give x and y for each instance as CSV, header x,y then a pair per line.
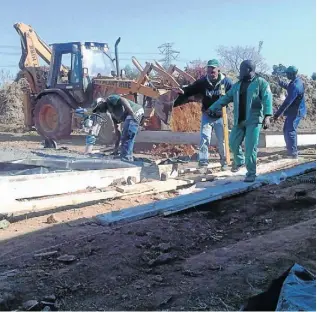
x,y
107,135
53,117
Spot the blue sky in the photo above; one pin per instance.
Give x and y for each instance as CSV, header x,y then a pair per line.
x,y
195,27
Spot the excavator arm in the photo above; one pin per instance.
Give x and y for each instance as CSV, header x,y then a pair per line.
x,y
33,48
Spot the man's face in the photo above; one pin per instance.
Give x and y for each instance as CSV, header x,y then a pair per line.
x,y
291,76
212,72
244,70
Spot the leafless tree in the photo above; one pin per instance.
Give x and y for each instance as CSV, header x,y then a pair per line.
x,y
196,68
231,58
5,77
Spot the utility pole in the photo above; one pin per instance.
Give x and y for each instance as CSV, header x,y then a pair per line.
x,y
169,54
260,47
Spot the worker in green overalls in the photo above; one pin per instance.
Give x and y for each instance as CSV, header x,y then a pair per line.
x,y
130,114
252,100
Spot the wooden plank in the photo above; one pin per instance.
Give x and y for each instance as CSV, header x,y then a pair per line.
x,y
226,134
187,201
61,201
261,169
86,198
155,186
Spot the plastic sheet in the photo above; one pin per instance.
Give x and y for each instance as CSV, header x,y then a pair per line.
x,y
294,290
298,292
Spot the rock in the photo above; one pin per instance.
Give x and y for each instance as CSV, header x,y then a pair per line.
x,y
51,220
165,247
50,298
45,254
164,176
158,278
48,303
30,305
46,308
4,224
66,258
124,296
131,180
159,197
6,299
162,259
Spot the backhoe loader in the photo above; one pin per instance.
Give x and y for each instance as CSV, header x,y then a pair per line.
x,y
78,74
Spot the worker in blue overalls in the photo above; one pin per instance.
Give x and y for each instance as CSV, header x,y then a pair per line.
x,y
293,108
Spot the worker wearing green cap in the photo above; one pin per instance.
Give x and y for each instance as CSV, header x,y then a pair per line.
x,y
293,108
210,87
252,108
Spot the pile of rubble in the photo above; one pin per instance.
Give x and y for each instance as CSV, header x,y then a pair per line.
x,y
11,108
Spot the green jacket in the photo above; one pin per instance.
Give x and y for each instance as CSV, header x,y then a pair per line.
x,y
259,101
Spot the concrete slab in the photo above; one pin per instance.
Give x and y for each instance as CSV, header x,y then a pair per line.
x,y
39,185
267,139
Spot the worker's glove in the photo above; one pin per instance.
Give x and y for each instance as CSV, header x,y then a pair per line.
x,y
139,116
266,122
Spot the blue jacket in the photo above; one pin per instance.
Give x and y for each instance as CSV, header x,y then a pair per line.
x,y
294,104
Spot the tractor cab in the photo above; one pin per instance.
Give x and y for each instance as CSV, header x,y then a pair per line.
x,y
74,65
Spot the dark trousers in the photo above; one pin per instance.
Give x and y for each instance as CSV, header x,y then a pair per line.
x,y
129,132
290,134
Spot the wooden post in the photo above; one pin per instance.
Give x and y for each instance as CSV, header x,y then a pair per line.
x,y
226,134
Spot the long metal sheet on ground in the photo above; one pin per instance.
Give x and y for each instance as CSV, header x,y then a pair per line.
x,y
207,195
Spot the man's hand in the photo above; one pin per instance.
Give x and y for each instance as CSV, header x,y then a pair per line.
x,y
211,113
275,118
266,122
178,90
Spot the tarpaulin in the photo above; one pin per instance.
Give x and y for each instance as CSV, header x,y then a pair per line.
x,y
294,290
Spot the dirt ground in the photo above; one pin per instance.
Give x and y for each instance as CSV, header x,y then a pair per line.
x,y
212,257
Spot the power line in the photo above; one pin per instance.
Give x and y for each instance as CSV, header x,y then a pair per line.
x,y
140,53
9,66
9,47
9,53
169,53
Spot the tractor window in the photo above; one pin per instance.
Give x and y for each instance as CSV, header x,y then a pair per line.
x,y
71,62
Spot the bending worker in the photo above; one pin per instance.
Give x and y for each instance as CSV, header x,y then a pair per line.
x,y
210,87
252,99
130,114
293,108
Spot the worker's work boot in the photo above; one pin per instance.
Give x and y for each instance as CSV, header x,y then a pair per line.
x,y
237,168
203,164
249,179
